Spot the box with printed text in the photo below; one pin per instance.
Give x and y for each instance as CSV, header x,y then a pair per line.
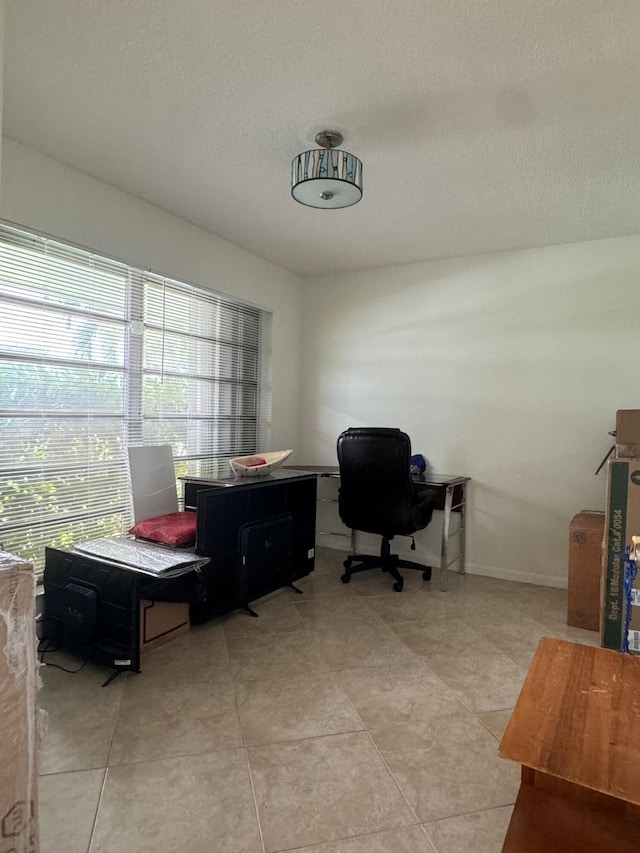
x,y
622,522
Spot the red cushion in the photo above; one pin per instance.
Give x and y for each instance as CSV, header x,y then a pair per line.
x,y
175,528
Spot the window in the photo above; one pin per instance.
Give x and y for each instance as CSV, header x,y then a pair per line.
x,y
96,355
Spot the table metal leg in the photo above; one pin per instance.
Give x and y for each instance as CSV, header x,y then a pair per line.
x,y
444,545
463,527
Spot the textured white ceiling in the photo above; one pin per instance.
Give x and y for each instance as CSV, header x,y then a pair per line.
x,y
483,124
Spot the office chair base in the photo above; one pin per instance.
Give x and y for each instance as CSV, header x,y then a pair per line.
x,y
389,563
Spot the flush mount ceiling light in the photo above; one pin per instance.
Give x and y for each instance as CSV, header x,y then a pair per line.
x,y
326,177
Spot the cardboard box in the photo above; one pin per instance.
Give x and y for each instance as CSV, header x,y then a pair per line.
x,y
628,433
161,622
586,534
622,522
18,685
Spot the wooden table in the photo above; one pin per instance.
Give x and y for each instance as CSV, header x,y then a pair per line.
x,y
575,730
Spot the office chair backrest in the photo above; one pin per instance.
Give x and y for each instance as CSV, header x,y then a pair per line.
x,y
153,481
377,494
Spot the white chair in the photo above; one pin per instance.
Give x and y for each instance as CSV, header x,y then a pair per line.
x,y
153,481
155,500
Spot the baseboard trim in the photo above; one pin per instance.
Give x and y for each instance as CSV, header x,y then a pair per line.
x,y
519,577
554,581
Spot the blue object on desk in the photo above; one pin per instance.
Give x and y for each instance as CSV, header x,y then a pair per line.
x,y
418,464
630,571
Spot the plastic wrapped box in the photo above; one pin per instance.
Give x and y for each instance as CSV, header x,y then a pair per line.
x,y
18,686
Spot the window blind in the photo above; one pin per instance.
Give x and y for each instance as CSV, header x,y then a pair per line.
x,y
95,356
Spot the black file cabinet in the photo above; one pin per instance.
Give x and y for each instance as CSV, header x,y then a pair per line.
x,y
258,532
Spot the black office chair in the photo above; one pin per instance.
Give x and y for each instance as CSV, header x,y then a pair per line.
x,y
378,495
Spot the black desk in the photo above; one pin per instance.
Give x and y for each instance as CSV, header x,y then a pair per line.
x,y
451,490
258,532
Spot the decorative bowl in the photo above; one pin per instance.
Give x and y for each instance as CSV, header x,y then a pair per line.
x,y
259,464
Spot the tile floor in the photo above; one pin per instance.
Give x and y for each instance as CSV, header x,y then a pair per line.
x,y
350,719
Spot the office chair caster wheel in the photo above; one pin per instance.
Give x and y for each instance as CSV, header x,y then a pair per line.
x,y
426,576
345,578
398,585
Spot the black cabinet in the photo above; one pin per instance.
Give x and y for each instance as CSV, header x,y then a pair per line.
x,y
92,608
259,534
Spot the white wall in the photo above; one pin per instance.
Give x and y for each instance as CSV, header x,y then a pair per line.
x,y
508,368
46,195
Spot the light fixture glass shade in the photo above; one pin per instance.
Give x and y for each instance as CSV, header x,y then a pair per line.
x,y
327,178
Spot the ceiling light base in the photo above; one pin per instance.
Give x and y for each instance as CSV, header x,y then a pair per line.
x,y
329,139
